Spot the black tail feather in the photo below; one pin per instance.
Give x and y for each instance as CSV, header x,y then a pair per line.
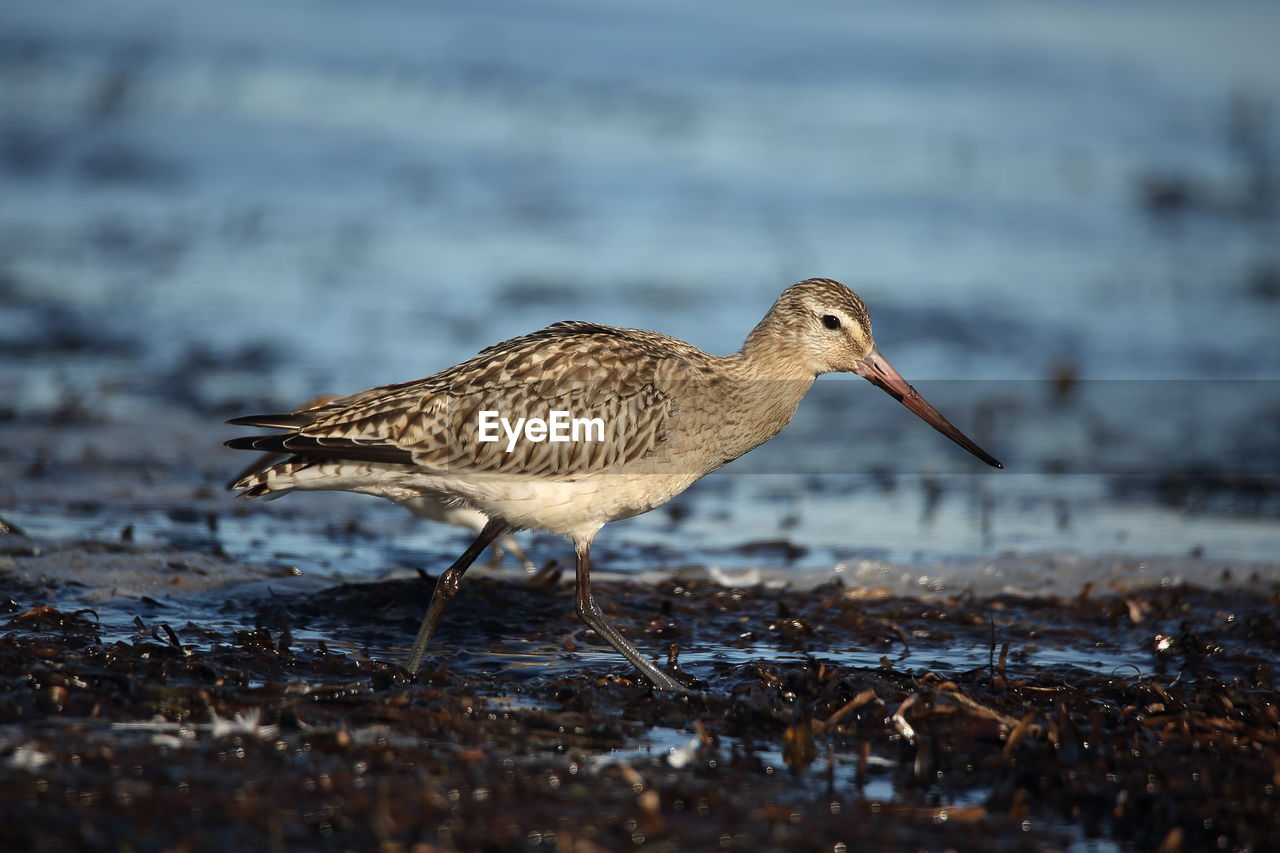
x,y
292,420
295,444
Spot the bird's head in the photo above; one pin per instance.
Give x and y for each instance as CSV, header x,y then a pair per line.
x,y
827,327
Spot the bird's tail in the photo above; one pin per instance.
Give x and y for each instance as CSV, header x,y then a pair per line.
x,y
271,466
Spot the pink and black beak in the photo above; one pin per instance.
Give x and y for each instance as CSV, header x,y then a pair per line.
x,y
879,372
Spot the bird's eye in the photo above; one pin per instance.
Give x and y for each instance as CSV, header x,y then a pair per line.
x,y
831,321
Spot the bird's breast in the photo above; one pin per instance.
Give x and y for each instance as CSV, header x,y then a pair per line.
x,y
577,507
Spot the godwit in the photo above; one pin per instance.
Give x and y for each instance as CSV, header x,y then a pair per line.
x,y
431,507
671,414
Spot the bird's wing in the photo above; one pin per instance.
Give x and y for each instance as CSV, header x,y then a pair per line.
x,y
621,376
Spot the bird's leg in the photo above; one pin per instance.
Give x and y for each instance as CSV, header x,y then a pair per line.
x,y
447,588
495,554
509,542
513,546
590,613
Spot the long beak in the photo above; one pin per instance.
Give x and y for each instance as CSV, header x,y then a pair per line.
x,y
880,373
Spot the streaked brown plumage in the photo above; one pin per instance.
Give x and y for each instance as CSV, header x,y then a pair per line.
x,y
673,413
431,507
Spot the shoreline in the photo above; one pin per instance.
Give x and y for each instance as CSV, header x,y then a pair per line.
x,y
961,721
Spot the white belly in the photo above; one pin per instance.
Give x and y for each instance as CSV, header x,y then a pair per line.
x,y
576,508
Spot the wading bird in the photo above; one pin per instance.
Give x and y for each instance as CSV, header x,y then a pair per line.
x,y
672,414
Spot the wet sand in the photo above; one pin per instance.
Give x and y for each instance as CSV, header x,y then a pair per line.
x,y
523,732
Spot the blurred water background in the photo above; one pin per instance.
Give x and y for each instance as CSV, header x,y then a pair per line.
x,y
1062,215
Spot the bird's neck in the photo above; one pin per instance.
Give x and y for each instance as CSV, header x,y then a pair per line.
x,y
751,400
771,351
755,393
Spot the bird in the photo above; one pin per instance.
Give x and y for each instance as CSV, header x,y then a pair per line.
x,y
430,507
671,414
